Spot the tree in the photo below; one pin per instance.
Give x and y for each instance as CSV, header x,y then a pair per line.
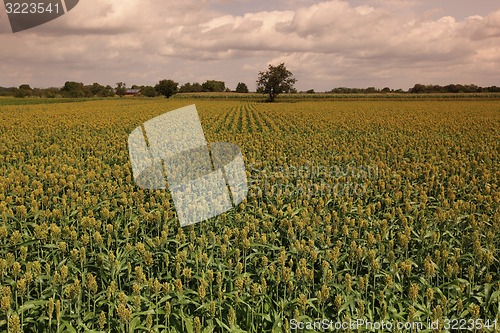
x,y
214,86
22,93
11,91
166,88
121,89
191,87
149,91
276,80
52,92
87,91
96,89
24,90
108,91
73,89
25,87
241,88
418,89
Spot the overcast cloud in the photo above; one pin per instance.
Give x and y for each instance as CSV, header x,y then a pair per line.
x,y
328,44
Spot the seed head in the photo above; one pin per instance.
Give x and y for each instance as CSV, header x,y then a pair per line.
x,y
212,309
197,325
50,309
178,285
21,286
58,310
474,310
202,292
413,293
231,317
168,310
16,269
338,301
91,283
124,313
102,320
14,324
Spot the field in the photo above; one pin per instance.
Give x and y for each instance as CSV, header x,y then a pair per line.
x,y
387,211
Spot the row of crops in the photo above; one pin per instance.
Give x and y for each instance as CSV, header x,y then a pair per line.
x,y
386,211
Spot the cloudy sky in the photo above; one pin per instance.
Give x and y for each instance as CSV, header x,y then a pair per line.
x,y
326,44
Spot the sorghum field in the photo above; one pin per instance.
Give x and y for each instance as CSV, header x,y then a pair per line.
x,y
386,211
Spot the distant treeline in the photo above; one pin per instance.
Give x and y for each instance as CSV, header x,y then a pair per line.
x,y
418,89
70,90
168,88
73,89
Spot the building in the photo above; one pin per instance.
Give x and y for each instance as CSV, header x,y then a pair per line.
x,y
133,92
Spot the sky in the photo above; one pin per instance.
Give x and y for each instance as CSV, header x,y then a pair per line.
x,y
325,44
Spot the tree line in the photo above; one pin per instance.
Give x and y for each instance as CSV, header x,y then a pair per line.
x,y
73,89
416,89
276,80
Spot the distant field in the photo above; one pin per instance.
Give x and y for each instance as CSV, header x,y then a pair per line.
x,y
329,96
254,97
382,210
35,100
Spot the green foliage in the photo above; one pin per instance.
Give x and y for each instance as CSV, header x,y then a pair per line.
x,y
213,86
451,88
25,87
73,89
121,89
22,93
99,90
167,88
190,87
241,88
149,91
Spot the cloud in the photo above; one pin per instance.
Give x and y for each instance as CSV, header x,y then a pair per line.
x,y
332,27
365,38
479,28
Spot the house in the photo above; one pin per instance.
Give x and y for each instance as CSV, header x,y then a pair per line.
x,y
133,92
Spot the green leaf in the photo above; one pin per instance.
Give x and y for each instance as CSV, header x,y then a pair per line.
x,y
494,297
32,304
69,326
188,323
222,324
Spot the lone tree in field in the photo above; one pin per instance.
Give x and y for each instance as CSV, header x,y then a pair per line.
x,y
276,80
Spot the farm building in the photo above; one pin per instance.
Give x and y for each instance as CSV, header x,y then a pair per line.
x,y
133,92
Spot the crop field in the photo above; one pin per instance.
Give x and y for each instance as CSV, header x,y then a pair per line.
x,y
385,211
